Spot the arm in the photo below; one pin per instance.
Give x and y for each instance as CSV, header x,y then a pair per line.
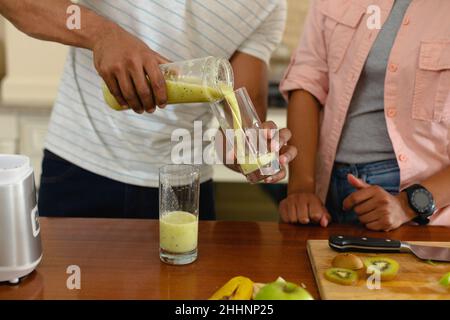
x,y
251,73
306,86
123,68
303,121
46,20
439,186
380,211
302,205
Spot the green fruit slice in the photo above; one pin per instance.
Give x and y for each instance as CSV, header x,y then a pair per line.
x,y
388,267
445,280
342,276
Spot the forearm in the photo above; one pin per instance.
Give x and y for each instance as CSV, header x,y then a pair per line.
x,y
439,186
47,20
303,121
251,73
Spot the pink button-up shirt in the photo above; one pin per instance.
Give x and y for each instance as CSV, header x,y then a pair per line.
x,y
337,39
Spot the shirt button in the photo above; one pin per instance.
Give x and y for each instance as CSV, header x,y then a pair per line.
x,y
392,112
393,67
403,158
406,21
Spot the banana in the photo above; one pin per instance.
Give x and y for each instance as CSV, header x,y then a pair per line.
x,y
238,288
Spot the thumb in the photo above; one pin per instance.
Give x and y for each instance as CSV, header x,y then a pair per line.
x,y
357,183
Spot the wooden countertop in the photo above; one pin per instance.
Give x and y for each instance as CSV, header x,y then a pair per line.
x,y
119,258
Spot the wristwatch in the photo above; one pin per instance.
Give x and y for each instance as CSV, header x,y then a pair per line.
x,y
422,202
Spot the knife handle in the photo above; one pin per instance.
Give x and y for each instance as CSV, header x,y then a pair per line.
x,y
363,244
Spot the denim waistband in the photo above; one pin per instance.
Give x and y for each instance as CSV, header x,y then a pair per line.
x,y
373,168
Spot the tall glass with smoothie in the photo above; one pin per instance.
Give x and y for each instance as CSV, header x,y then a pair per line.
x,y
250,143
179,191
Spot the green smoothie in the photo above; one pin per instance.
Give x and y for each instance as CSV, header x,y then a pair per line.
x,y
248,163
177,93
178,232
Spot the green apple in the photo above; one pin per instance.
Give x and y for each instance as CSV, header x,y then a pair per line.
x,y
282,290
445,280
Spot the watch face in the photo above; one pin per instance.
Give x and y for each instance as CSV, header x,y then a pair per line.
x,y
422,200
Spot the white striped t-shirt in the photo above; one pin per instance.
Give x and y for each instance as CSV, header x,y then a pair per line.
x,y
129,147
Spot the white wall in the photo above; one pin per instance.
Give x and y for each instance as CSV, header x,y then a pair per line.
x,y
33,69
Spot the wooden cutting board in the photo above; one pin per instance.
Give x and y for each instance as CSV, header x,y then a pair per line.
x,y
416,280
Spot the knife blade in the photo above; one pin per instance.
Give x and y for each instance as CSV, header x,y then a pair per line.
x,y
362,244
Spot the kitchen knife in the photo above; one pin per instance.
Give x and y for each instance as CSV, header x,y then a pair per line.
x,y
345,243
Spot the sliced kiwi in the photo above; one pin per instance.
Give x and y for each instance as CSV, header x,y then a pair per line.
x,y
388,267
342,276
347,261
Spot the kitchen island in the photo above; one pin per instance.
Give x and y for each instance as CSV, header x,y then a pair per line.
x,y
119,259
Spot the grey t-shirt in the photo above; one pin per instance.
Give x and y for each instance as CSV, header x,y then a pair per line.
x,y
365,136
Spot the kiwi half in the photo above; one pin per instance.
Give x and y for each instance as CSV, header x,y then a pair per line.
x,y
347,261
388,267
342,276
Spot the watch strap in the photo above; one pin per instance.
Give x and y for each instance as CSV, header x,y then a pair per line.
x,y
421,219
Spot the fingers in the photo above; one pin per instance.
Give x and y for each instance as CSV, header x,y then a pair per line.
x,y
358,197
357,183
114,88
143,89
278,138
287,154
302,212
365,207
284,135
129,92
271,135
369,217
269,125
277,177
292,212
376,226
304,208
325,220
284,211
157,82
315,211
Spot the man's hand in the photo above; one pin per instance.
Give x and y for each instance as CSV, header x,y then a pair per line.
x,y
278,140
130,69
304,208
377,209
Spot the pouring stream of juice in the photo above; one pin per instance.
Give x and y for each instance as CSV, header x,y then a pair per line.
x,y
183,92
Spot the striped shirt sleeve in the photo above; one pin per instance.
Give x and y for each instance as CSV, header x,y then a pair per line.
x,y
265,39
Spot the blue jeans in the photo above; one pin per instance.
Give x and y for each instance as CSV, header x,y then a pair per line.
x,y
385,174
69,191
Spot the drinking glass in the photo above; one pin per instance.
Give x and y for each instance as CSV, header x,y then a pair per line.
x,y
245,135
179,191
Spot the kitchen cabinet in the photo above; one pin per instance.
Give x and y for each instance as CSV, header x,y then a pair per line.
x,y
23,132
